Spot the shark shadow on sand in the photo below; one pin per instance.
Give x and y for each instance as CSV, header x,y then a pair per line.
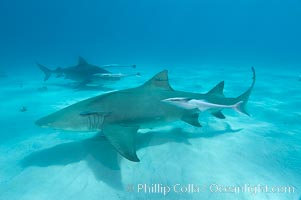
x,y
102,158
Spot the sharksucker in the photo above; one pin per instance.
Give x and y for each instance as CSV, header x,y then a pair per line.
x,y
120,114
200,104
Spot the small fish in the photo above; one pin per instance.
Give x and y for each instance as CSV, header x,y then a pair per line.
x,y
23,109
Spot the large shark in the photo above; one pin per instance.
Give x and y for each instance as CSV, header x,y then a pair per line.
x,y
84,73
119,114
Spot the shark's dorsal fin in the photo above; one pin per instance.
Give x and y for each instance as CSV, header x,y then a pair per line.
x,y
160,80
218,89
123,139
82,61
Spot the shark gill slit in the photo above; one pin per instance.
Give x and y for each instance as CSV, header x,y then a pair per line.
x,y
89,122
95,121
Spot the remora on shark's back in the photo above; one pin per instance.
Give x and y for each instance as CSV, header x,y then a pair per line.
x,y
120,114
200,104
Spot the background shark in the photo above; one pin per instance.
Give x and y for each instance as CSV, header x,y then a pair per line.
x,y
120,114
83,73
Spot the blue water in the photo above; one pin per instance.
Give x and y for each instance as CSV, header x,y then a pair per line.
x,y
200,43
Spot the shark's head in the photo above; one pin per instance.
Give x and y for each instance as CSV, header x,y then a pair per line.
x,y
44,123
71,121
181,102
55,121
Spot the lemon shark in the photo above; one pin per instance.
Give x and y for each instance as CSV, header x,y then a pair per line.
x,y
119,114
85,73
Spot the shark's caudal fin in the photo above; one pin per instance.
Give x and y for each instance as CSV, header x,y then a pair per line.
x,y
245,96
46,71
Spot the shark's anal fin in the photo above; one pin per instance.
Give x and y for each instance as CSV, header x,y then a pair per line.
x,y
192,119
123,138
218,114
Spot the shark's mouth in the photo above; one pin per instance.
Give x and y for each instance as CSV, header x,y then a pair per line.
x,y
43,123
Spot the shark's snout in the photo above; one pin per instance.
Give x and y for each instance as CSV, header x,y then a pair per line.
x,y
67,121
44,123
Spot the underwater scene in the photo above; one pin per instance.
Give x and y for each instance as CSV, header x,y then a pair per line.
x,y
150,99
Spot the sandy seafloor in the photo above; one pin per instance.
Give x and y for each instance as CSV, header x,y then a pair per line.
x,y
265,149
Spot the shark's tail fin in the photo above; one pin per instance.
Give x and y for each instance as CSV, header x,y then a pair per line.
x,y
243,98
46,71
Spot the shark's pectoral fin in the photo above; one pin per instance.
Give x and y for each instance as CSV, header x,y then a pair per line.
x,y
123,138
192,119
218,114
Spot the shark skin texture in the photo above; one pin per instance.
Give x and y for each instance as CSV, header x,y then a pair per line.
x,y
120,114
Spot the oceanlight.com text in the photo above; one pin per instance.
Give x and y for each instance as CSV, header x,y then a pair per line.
x,y
165,189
